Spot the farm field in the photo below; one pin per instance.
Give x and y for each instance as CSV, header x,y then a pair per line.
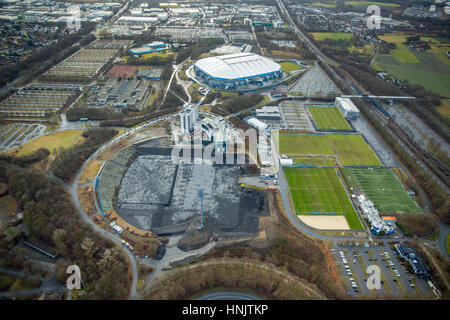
x,y
401,52
155,54
328,118
321,36
350,149
430,69
367,49
64,139
318,191
385,191
331,4
431,73
365,4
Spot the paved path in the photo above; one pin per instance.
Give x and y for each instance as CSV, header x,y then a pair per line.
x,y
228,295
264,266
31,292
114,238
48,285
444,231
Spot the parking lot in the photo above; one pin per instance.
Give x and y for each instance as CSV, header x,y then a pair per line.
x,y
294,116
314,83
352,260
13,135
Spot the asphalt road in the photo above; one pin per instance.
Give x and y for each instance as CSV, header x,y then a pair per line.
x,y
228,295
114,238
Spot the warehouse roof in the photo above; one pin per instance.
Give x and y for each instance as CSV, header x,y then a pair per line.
x,y
347,104
237,66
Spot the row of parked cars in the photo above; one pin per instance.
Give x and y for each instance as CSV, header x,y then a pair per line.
x,y
356,244
126,244
348,271
391,265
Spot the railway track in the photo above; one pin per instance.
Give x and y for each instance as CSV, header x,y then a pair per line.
x,y
438,171
436,167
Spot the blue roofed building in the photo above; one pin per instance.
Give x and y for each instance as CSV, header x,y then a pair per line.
x,y
416,261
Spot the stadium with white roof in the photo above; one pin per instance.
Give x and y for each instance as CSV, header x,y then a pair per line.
x,y
236,72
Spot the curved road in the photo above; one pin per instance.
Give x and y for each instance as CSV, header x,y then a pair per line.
x,y
228,295
74,194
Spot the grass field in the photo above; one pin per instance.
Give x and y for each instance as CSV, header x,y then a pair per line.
x,y
385,191
328,118
90,171
153,54
331,4
321,36
444,108
431,73
64,139
314,160
401,52
349,178
350,149
365,4
289,66
319,191
430,69
367,50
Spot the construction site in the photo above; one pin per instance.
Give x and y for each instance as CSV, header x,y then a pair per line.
x,y
151,191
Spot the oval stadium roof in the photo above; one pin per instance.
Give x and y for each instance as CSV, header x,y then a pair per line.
x,y
237,66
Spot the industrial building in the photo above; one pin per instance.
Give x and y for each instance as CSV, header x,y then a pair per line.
x,y
346,106
188,116
135,19
415,259
238,71
268,113
264,148
257,124
155,46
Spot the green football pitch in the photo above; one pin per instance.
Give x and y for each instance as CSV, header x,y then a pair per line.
x,y
350,149
385,191
319,191
328,118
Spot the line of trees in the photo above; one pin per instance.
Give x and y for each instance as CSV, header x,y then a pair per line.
x,y
25,161
135,121
35,61
195,50
239,103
